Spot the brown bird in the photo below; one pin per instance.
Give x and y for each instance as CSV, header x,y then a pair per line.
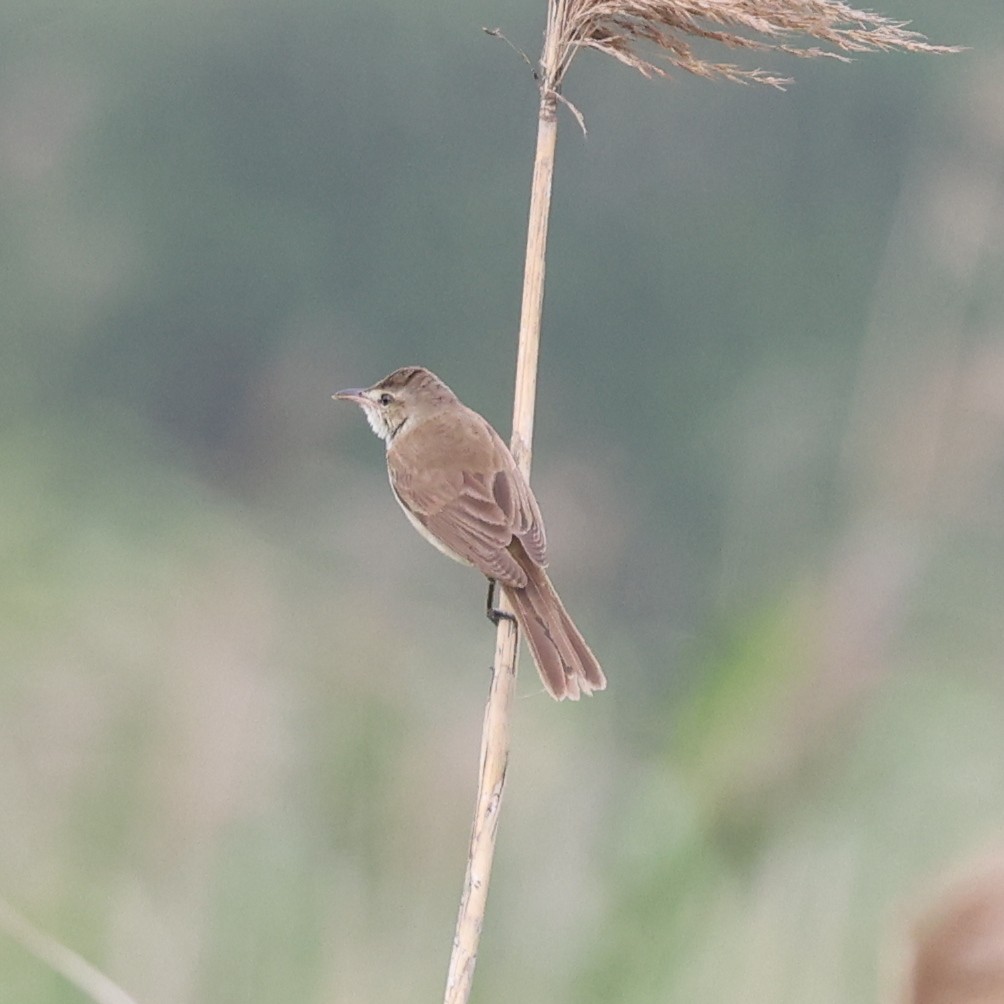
x,y
460,487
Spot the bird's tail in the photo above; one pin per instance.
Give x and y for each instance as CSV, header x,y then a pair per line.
x,y
564,660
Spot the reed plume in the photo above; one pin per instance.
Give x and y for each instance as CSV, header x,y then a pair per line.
x,y
648,35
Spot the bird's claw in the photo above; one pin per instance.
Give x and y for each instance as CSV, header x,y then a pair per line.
x,y
492,612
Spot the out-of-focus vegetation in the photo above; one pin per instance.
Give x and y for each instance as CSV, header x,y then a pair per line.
x,y
240,699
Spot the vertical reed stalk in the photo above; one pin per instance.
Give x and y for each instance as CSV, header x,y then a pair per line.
x,y
496,731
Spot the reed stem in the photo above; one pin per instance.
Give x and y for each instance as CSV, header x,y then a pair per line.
x,y
495,735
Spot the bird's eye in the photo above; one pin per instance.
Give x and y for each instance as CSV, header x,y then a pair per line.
x,y
385,399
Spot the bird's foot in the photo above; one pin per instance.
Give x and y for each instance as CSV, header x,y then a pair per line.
x,y
492,612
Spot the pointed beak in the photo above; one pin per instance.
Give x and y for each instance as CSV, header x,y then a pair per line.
x,y
355,394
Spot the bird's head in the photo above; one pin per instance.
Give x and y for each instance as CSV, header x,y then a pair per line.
x,y
405,396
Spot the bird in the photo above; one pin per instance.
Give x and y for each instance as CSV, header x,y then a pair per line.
x,y
463,491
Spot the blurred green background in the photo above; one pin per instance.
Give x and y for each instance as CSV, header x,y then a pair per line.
x,y
240,699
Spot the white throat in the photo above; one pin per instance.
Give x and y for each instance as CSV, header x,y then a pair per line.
x,y
377,423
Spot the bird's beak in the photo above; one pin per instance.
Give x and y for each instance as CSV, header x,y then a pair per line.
x,y
355,394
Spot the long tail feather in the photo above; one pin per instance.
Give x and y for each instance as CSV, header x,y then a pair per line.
x,y
565,662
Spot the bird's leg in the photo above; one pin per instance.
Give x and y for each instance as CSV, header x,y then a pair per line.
x,y
492,612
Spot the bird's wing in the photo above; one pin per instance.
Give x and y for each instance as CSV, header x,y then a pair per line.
x,y
473,510
515,497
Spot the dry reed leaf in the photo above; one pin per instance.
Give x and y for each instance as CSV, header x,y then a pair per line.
x,y
647,34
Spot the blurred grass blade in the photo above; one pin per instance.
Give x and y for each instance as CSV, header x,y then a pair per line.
x,y
88,980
